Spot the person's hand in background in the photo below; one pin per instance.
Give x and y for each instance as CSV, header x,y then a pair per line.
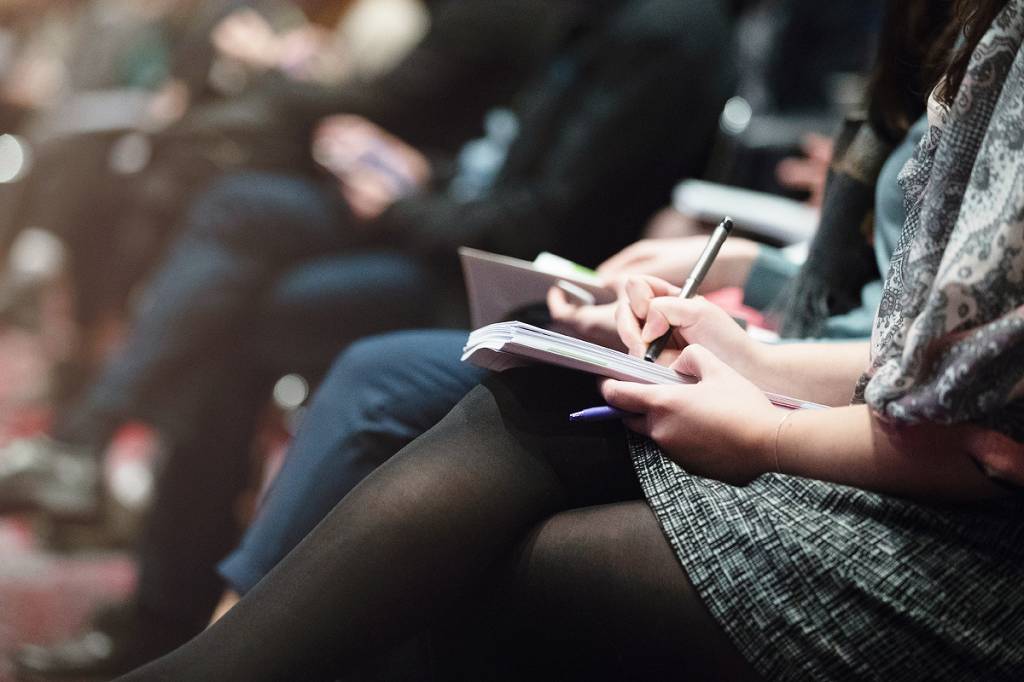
x,y
669,223
594,323
247,37
373,167
299,50
168,104
809,172
33,83
673,259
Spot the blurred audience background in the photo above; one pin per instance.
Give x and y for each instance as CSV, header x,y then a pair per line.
x,y
117,115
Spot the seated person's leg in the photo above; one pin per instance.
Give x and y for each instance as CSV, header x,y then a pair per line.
x,y
381,394
420,534
312,311
241,235
332,301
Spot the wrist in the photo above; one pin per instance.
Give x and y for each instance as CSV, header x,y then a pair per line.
x,y
761,445
754,359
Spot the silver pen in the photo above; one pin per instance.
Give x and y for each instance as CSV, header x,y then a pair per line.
x,y
693,282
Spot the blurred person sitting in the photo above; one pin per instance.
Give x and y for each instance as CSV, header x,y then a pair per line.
x,y
118,70
367,41
304,267
906,502
137,183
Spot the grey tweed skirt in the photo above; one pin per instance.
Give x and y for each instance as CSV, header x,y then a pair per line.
x,y
816,581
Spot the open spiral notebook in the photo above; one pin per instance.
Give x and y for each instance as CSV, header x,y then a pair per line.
x,y
505,345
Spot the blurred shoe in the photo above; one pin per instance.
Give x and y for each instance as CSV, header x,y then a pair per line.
x,y
40,474
120,639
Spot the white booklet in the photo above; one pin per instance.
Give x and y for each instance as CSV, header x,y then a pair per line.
x,y
499,285
771,216
505,345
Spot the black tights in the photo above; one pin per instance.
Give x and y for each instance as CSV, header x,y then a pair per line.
x,y
502,498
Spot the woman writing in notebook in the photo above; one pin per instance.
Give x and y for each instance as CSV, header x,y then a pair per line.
x,y
719,537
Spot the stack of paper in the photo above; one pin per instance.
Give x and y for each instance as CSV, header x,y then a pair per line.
x,y
515,344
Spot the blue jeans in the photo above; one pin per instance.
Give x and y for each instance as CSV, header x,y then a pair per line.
x,y
380,395
266,265
270,276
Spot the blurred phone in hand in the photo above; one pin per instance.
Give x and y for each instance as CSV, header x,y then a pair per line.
x,y
373,167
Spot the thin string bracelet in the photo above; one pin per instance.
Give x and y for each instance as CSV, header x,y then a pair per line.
x,y
778,433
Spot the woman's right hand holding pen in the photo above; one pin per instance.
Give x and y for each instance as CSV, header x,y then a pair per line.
x,y
824,373
649,306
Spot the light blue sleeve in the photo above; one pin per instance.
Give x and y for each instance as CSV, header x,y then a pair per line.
x,y
890,214
768,277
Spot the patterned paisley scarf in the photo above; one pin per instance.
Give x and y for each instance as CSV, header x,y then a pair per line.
x,y
948,342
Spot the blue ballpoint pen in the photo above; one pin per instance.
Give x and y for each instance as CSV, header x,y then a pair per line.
x,y
598,414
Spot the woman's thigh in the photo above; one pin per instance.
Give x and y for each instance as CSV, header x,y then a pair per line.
x,y
598,593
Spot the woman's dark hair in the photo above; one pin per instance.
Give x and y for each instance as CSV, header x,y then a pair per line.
x,y
841,261
972,19
905,68
923,43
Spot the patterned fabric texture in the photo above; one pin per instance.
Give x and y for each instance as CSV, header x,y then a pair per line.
x,y
948,343
817,581
814,581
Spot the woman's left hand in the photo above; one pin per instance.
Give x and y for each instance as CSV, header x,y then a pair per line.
x,y
721,427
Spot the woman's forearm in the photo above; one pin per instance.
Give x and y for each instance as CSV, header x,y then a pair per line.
x,y
824,373
852,447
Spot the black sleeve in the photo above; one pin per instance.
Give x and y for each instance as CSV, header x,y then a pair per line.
x,y
474,56
194,52
642,117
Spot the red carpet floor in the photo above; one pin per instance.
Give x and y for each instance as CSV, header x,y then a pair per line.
x,y
44,596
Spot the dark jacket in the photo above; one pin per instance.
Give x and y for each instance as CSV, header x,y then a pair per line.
x,y
627,107
475,55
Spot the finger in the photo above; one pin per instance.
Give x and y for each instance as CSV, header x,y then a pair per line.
x,y
672,311
817,148
363,207
559,305
640,289
661,287
617,263
326,126
628,328
698,361
616,283
629,396
797,174
350,122
656,323
372,183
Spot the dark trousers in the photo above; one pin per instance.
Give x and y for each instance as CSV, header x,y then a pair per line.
x,y
237,274
270,276
382,393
